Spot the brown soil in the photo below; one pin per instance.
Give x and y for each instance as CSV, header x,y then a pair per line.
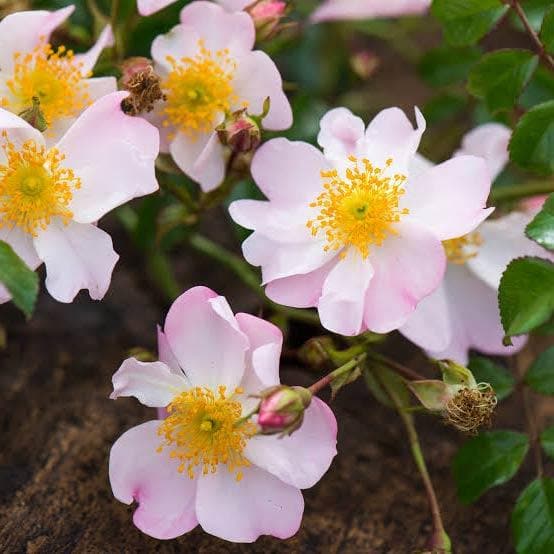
x,y
57,425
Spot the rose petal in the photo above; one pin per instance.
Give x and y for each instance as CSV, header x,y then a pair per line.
x,y
364,9
301,459
137,472
151,383
260,504
148,7
340,131
77,256
206,340
113,154
18,131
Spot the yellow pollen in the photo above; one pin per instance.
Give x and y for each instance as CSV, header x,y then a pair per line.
x,y
54,77
460,250
204,429
34,187
198,89
359,209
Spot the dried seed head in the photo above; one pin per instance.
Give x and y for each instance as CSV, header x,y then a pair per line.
x,y
143,84
471,408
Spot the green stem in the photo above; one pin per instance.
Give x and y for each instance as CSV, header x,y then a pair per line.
x,y
161,272
248,276
114,15
439,540
328,379
179,191
515,192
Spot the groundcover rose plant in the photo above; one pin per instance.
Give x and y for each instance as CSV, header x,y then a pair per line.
x,y
371,181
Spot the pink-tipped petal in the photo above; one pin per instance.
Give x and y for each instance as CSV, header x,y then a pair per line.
x,y
256,79
302,458
138,472
367,9
22,32
450,198
218,28
296,181
340,131
475,318
490,142
408,267
503,240
77,256
266,341
260,504
151,383
89,59
430,326
300,291
390,135
201,157
341,306
148,7
206,340
113,154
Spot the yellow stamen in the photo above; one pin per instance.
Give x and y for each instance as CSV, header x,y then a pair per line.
x,y
54,77
198,89
34,187
359,209
460,250
204,429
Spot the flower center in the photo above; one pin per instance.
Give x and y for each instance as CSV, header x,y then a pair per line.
x,y
204,429
359,209
52,76
460,250
197,89
34,187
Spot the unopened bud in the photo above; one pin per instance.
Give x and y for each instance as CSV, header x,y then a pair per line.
x,y
267,15
282,409
144,86
34,116
315,352
364,64
240,131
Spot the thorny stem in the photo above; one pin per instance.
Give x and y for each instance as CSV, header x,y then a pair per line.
x,y
515,192
248,276
541,50
530,420
328,379
439,540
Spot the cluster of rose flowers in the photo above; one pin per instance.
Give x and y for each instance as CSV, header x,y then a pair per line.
x,y
364,229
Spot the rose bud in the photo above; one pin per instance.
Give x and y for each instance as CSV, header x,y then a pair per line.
x,y
282,409
240,131
267,15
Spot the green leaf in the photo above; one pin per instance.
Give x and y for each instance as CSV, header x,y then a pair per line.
x,y
526,295
533,518
547,31
541,229
445,65
444,106
540,376
467,21
488,460
486,371
500,77
547,441
21,282
532,144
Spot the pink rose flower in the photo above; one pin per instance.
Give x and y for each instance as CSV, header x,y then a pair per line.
x,y
30,67
201,465
463,312
52,197
356,230
365,9
208,70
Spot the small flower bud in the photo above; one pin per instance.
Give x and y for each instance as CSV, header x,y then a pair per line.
x,y
282,409
240,131
364,64
34,116
315,352
142,82
267,15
